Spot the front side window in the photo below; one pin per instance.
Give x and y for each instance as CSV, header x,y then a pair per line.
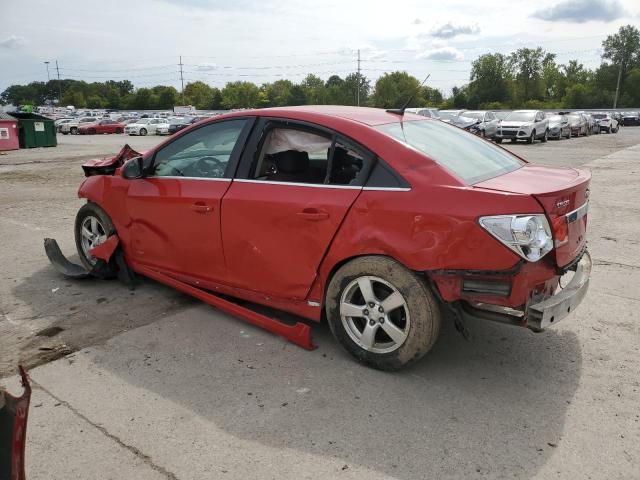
x,y
470,158
300,155
202,153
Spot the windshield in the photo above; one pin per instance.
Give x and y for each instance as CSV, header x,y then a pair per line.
x,y
555,119
521,116
143,121
573,119
467,156
478,115
599,115
501,115
448,115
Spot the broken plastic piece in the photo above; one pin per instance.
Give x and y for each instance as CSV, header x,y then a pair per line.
x,y
13,430
60,262
106,248
300,333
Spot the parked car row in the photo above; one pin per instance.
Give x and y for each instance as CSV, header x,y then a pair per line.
x,y
525,125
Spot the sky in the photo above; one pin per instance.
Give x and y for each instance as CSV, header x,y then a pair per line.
x,y
266,40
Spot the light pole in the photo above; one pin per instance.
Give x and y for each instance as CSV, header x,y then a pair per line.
x,y
48,77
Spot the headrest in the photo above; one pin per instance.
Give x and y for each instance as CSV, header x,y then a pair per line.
x,y
291,161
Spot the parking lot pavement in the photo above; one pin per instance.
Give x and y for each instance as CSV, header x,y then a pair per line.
x,y
163,387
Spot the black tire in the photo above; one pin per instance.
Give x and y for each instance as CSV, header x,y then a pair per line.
x,y
73,130
498,140
532,137
143,131
118,130
92,131
97,267
423,312
514,140
545,137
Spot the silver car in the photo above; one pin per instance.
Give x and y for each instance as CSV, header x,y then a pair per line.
x,y
425,112
489,123
528,125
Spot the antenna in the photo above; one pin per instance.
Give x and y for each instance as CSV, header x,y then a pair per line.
x,y
400,111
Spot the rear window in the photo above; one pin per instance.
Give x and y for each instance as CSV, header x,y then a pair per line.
x,y
466,155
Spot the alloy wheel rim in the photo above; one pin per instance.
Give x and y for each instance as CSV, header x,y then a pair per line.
x,y
375,314
92,234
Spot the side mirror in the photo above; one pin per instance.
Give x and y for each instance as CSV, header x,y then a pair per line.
x,y
133,169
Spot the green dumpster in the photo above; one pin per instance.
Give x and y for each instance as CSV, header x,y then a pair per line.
x,y
35,130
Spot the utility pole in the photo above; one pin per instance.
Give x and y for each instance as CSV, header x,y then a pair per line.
x,y
615,100
59,84
48,77
181,79
359,77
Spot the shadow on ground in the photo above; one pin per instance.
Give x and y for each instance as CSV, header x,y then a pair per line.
x,y
494,406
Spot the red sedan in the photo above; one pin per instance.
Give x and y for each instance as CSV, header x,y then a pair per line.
x,y
383,222
101,126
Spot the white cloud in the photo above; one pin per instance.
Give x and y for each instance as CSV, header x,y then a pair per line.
x,y
442,53
452,29
12,42
581,11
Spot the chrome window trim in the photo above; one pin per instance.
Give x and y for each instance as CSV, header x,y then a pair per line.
x,y
387,189
190,178
296,184
578,213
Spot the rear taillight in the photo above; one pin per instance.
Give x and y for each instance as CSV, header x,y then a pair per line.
x,y
527,235
560,230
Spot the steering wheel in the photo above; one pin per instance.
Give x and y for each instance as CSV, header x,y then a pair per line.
x,y
208,164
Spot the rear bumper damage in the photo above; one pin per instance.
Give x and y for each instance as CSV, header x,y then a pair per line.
x,y
538,314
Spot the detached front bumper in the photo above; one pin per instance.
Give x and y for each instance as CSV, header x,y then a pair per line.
x,y
542,314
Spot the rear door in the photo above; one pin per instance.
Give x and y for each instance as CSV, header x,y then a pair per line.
x,y
175,210
295,184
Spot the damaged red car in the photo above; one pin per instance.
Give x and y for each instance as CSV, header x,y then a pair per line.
x,y
379,221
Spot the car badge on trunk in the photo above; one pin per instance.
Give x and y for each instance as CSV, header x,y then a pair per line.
x,y
562,203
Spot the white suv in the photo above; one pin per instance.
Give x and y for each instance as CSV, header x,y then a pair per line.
x,y
145,126
526,125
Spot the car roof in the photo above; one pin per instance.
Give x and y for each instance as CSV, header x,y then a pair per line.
x,y
364,115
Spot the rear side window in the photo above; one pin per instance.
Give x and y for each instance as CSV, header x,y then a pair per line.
x,y
470,158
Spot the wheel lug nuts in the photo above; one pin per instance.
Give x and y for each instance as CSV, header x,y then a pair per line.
x,y
372,322
381,310
371,304
381,320
366,313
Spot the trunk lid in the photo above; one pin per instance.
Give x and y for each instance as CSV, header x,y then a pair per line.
x,y
563,194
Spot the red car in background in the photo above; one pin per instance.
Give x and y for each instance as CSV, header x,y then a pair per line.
x,y
379,221
101,126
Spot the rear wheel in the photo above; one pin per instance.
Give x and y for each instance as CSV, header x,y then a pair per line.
x,y
143,131
498,140
92,228
73,130
382,313
545,137
514,140
92,131
118,130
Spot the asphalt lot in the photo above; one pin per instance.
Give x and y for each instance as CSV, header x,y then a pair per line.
x,y
151,384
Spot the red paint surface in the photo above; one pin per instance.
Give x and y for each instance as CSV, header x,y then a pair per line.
x,y
105,249
279,244
98,128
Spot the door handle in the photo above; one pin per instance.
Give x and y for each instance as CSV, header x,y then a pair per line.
x,y
201,207
313,214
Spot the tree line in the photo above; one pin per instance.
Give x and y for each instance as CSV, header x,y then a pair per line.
x,y
528,77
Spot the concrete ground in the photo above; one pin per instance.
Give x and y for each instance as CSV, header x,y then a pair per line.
x,y
171,388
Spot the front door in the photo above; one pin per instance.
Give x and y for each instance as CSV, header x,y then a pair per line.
x,y
279,220
175,211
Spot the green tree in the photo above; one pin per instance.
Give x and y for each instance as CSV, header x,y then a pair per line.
x,y
527,65
490,77
95,101
297,96
240,95
278,92
315,90
352,82
623,50
198,94
74,98
392,90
